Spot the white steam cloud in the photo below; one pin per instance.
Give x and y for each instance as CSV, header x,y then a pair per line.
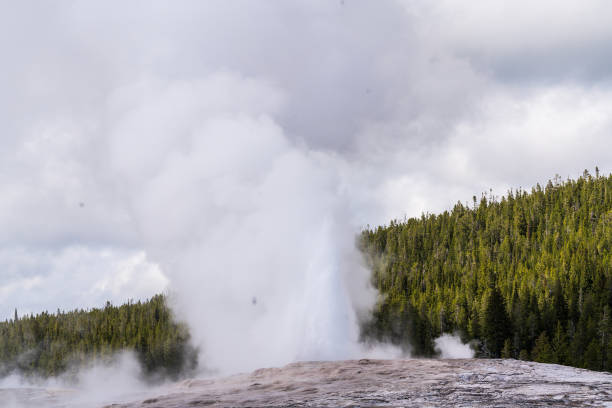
x,y
252,230
451,346
99,384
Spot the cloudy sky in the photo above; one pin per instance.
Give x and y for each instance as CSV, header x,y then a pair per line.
x,y
144,138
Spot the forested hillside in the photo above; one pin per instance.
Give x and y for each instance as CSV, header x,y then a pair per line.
x,y
528,276
50,344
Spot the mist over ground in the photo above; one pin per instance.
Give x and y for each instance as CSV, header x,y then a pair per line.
x,y
99,384
229,152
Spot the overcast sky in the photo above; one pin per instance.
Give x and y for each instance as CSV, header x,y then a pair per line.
x,y
131,129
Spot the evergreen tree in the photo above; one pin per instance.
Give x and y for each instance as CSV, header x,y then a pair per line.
x,y
592,356
542,352
495,323
46,345
507,351
539,260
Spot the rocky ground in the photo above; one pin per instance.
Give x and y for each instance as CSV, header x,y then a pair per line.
x,y
375,383
397,383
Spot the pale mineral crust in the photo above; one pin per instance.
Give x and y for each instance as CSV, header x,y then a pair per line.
x,y
396,383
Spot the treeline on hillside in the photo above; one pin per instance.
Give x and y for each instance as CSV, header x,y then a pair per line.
x,y
51,344
528,276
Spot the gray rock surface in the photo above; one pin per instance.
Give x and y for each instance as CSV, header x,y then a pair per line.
x,y
395,383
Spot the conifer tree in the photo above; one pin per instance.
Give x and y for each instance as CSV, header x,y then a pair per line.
x,y
544,254
495,323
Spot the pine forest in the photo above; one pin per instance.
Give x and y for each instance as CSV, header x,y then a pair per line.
x,y
527,276
62,343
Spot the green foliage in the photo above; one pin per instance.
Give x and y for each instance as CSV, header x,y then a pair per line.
x,y
503,272
50,344
592,357
507,351
542,352
495,324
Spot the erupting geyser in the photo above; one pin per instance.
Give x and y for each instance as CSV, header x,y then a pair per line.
x,y
230,207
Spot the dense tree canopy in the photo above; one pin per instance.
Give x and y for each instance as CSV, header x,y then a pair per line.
x,y
50,344
528,276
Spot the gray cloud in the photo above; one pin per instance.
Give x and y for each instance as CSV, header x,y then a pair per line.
x,y
76,276
521,42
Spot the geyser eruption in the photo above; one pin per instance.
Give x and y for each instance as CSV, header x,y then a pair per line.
x,y
253,230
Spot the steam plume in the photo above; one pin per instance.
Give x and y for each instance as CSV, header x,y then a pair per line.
x,y
253,231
